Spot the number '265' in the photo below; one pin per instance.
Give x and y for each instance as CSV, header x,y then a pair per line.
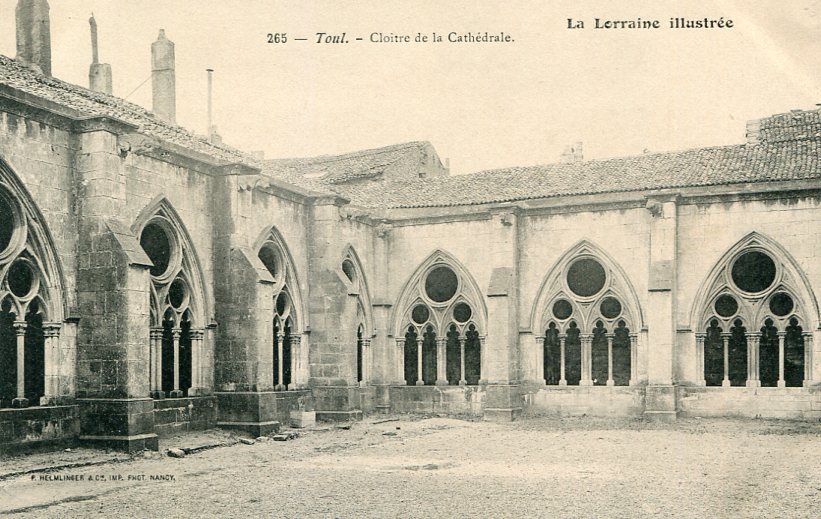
x,y
277,37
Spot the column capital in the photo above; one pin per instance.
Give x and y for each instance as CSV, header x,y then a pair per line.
x,y
539,339
781,333
20,327
366,343
51,329
700,335
196,334
296,339
610,336
156,333
726,335
176,332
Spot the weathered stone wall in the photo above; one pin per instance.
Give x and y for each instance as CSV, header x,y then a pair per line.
x,y
760,402
175,415
590,401
38,427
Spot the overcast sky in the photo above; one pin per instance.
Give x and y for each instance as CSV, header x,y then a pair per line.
x,y
481,105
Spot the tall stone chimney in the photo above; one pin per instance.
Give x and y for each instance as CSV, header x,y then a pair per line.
x,y
163,82
34,35
99,74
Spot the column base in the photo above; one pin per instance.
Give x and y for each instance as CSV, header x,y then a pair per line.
x,y
725,383
611,383
561,382
420,382
256,413
135,443
280,387
125,424
463,382
20,402
442,383
198,391
158,395
750,383
503,403
660,403
585,382
177,393
781,383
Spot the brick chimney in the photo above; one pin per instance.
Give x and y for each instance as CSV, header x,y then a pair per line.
x,y
163,80
99,74
34,35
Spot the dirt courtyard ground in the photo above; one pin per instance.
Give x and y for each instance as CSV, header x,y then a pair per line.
x,y
443,467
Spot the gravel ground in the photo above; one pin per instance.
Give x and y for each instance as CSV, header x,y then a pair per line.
x,y
443,467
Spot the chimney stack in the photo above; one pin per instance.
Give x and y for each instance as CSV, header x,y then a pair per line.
x,y
99,74
34,35
163,80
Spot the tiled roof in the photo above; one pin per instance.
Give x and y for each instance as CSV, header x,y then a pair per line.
x,y
338,169
788,148
787,160
91,103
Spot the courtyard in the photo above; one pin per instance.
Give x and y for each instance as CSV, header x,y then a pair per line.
x,y
415,466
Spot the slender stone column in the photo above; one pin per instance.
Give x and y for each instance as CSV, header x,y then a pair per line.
x,y
610,381
634,359
297,379
20,332
419,380
399,368
700,338
441,362
540,373
725,337
155,362
280,371
482,361
177,392
807,336
753,346
562,379
781,337
366,362
197,363
587,365
51,335
462,381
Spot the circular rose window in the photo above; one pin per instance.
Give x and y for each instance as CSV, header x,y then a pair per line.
x,y
562,309
441,284
753,271
586,277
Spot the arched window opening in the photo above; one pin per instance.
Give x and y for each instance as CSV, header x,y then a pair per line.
x,y
738,354
600,355
34,354
586,308
411,357
573,355
473,356
286,343
553,374
794,355
352,275
768,355
753,284
429,356
441,320
622,358
714,355
176,340
31,291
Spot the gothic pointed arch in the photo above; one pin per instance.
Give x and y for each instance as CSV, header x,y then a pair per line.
x,y
440,320
352,274
271,248
755,280
32,298
25,240
585,286
177,272
419,289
